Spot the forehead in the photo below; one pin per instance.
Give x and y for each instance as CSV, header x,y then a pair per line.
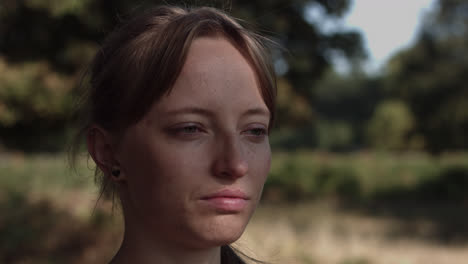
x,y
214,74
205,51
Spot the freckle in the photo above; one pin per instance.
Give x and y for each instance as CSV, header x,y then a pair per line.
x,y
203,81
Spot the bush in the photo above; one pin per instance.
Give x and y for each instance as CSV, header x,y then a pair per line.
x,y
390,126
367,176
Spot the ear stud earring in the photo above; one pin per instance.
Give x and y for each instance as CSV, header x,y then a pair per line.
x,y
115,172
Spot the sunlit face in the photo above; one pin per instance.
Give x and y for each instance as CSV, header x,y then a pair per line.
x,y
196,163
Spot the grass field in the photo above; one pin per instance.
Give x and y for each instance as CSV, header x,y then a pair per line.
x,y
364,208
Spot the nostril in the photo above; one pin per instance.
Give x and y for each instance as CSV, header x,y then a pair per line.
x,y
231,169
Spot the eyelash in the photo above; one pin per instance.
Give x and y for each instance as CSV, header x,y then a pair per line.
x,y
188,129
193,129
254,132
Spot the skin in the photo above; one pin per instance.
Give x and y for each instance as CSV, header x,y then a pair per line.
x,y
208,134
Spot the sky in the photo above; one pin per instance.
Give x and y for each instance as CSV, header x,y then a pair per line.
x,y
374,17
386,26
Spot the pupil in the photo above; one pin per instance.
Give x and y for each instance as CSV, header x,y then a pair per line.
x,y
257,132
191,129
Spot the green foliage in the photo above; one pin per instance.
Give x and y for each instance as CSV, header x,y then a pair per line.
x,y
344,104
46,44
293,109
334,135
294,176
390,126
430,78
419,102
41,225
32,91
367,176
45,222
302,137
42,232
299,176
39,173
58,8
355,261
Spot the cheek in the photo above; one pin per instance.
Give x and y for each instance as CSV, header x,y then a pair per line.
x,y
259,165
143,167
160,172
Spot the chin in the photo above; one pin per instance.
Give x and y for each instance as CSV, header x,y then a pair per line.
x,y
223,230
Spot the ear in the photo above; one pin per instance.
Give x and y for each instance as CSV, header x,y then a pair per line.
x,y
99,143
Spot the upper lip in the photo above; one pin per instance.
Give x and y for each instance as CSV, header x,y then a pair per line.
x,y
227,193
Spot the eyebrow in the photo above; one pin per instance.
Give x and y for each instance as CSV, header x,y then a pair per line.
x,y
190,110
257,111
209,113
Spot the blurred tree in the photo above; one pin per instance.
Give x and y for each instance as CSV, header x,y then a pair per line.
x,y
431,77
344,103
334,135
46,44
390,126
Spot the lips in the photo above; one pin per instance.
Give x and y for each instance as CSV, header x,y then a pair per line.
x,y
228,194
226,201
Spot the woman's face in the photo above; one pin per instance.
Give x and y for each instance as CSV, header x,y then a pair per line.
x,y
195,165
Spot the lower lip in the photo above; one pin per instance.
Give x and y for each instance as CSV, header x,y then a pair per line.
x,y
227,204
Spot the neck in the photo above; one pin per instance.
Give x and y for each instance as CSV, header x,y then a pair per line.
x,y
137,249
141,248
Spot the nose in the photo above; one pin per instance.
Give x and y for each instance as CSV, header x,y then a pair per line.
x,y
230,161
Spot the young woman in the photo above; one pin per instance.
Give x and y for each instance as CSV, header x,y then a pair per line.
x,y
178,112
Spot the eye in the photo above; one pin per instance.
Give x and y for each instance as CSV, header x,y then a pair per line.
x,y
257,132
190,129
186,130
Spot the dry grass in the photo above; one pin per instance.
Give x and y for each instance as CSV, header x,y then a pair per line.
x,y
56,207
302,233
321,232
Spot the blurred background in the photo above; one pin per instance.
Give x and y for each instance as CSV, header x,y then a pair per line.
x,y
370,160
